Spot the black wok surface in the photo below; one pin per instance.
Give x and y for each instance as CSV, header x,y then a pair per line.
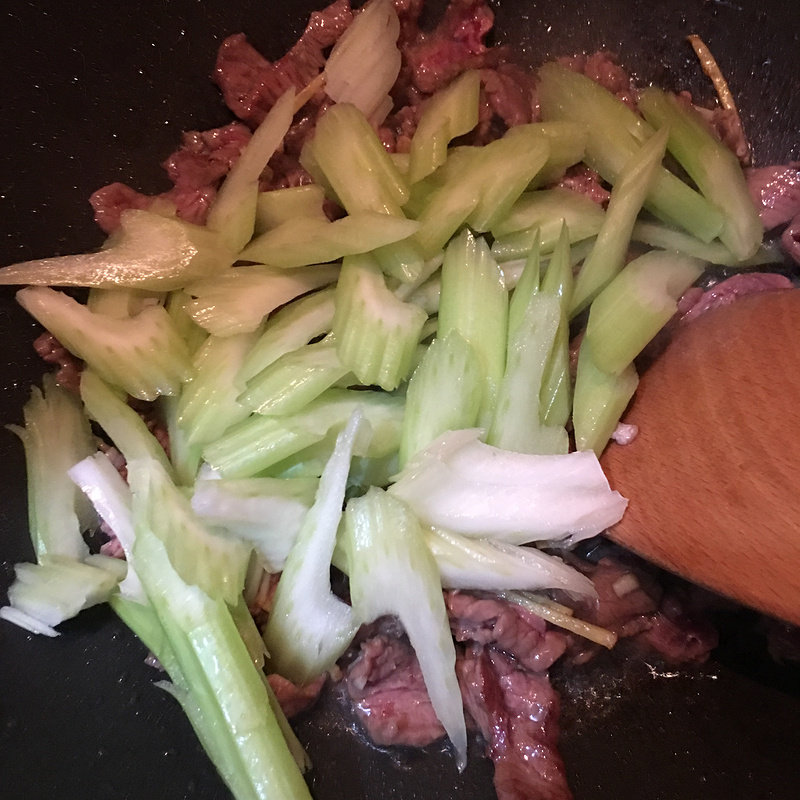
x,y
94,92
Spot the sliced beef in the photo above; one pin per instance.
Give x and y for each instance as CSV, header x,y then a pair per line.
x,y
602,68
697,301
51,351
294,699
583,180
776,193
790,239
489,620
388,693
516,712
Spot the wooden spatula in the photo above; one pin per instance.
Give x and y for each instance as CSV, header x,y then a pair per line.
x,y
713,476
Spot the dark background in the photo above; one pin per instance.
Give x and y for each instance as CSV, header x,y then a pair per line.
x,y
93,92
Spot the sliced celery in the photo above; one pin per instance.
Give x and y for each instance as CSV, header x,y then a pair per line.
x,y
474,302
451,112
177,304
444,393
608,254
711,165
615,133
292,326
631,310
392,571
233,213
55,436
280,205
142,355
527,285
288,384
599,402
121,302
309,627
403,260
239,299
308,240
567,142
149,251
185,458
376,333
208,404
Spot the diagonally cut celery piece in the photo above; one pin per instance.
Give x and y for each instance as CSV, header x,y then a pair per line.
x,y
280,205
309,627
392,571
144,355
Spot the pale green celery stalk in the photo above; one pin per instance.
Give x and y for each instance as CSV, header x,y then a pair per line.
x,y
149,251
470,563
26,622
599,401
392,571
309,627
634,307
376,333
56,435
126,429
427,294
608,254
277,206
302,241
662,236
295,379
215,564
474,302
615,133
711,165
233,213
546,209
451,112
512,270
444,393
121,303
353,162
464,485
238,300
177,304
567,142
261,442
185,458
59,588
215,680
555,397
208,404
516,424
526,286
292,326
267,512
403,260
110,495
142,355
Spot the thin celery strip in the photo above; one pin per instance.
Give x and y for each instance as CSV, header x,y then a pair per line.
x,y
149,251
376,333
296,378
27,622
185,458
177,304
261,442
142,355
121,302
292,326
277,206
403,260
301,241
233,213
56,435
444,393
607,257
527,285
567,142
208,404
711,165
474,302
599,401
451,112
392,571
615,133
631,310
309,627
126,429
239,299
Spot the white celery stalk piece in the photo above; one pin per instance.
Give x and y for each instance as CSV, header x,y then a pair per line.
x,y
392,571
144,355
309,627
461,484
55,436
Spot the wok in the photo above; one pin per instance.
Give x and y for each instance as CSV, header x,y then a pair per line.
x,y
95,92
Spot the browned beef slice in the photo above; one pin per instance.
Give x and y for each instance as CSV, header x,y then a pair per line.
x,y
292,698
776,193
517,714
388,693
488,620
790,239
697,301
51,351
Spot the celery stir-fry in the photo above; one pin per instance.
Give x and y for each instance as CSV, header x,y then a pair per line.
x,y
386,390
